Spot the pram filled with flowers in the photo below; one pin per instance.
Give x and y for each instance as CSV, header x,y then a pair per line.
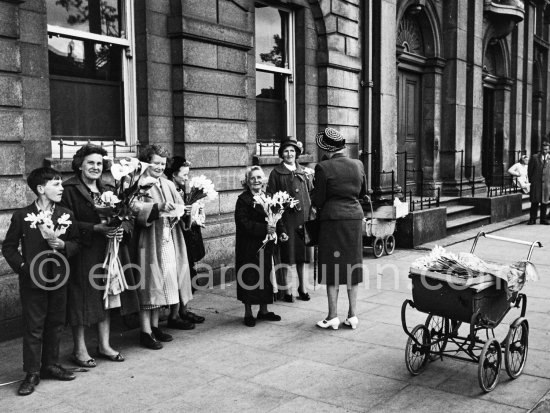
x,y
462,288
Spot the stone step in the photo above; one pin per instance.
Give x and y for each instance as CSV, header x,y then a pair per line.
x,y
455,226
459,211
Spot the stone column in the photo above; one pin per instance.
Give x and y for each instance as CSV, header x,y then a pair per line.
x,y
455,29
529,27
384,96
517,136
474,106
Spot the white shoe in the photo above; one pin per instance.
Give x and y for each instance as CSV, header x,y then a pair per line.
x,y
352,322
334,323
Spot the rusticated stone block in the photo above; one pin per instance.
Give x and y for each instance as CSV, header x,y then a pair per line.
x,y
232,108
37,125
11,125
11,91
336,42
208,81
37,6
229,199
196,53
220,252
348,27
13,193
224,179
352,47
158,49
233,155
158,76
36,93
35,153
341,8
5,219
232,15
157,24
160,129
9,20
205,9
158,6
339,116
11,57
232,60
203,106
33,27
201,156
160,102
10,305
339,79
225,34
12,159
34,60
340,97
207,131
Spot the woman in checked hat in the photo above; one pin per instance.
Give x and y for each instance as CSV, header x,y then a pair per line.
x,y
338,185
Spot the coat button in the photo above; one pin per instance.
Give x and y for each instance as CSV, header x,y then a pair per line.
x,y
297,190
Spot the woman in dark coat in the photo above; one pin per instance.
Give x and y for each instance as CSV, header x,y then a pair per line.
x,y
339,184
290,176
253,267
85,299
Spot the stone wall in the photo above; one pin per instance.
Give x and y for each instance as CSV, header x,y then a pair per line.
x,y
24,125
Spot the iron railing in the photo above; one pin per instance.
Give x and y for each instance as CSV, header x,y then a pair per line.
x,y
104,144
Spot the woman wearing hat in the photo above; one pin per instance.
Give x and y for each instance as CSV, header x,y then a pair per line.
x,y
291,177
339,184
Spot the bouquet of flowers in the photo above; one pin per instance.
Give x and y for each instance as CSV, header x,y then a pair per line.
x,y
309,172
47,227
115,207
200,187
274,207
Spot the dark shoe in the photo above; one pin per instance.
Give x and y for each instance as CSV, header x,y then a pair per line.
x,y
55,371
115,357
544,222
280,295
531,222
289,298
161,335
90,363
180,324
27,387
269,316
192,317
249,321
149,341
303,296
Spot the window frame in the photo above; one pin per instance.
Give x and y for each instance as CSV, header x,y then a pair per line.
x,y
290,90
129,144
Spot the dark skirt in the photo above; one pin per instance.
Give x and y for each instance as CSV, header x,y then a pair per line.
x,y
340,252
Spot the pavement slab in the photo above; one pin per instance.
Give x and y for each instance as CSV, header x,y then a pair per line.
x,y
294,366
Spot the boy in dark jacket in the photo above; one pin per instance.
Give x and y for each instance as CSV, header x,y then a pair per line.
x,y
47,235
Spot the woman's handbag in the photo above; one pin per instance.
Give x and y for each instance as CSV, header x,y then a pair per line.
x,y
309,230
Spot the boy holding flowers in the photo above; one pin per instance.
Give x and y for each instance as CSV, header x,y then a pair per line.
x,y
47,236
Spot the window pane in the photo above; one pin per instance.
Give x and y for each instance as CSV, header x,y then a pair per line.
x,y
271,106
271,36
86,89
92,16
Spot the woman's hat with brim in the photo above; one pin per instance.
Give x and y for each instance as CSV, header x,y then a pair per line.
x,y
330,140
290,142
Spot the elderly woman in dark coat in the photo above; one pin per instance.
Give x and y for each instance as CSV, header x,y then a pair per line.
x,y
339,184
252,265
290,176
85,299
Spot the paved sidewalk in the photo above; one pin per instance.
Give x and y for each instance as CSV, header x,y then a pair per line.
x,y
292,366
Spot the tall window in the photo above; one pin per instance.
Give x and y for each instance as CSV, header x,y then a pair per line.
x,y
92,75
274,48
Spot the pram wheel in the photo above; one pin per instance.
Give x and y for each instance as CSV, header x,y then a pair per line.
x,y
389,244
416,356
378,247
489,365
439,329
515,347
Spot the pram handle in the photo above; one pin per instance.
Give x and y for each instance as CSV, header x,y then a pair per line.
x,y
515,241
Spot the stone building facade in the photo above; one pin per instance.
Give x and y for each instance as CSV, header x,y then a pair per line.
x,y
431,89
